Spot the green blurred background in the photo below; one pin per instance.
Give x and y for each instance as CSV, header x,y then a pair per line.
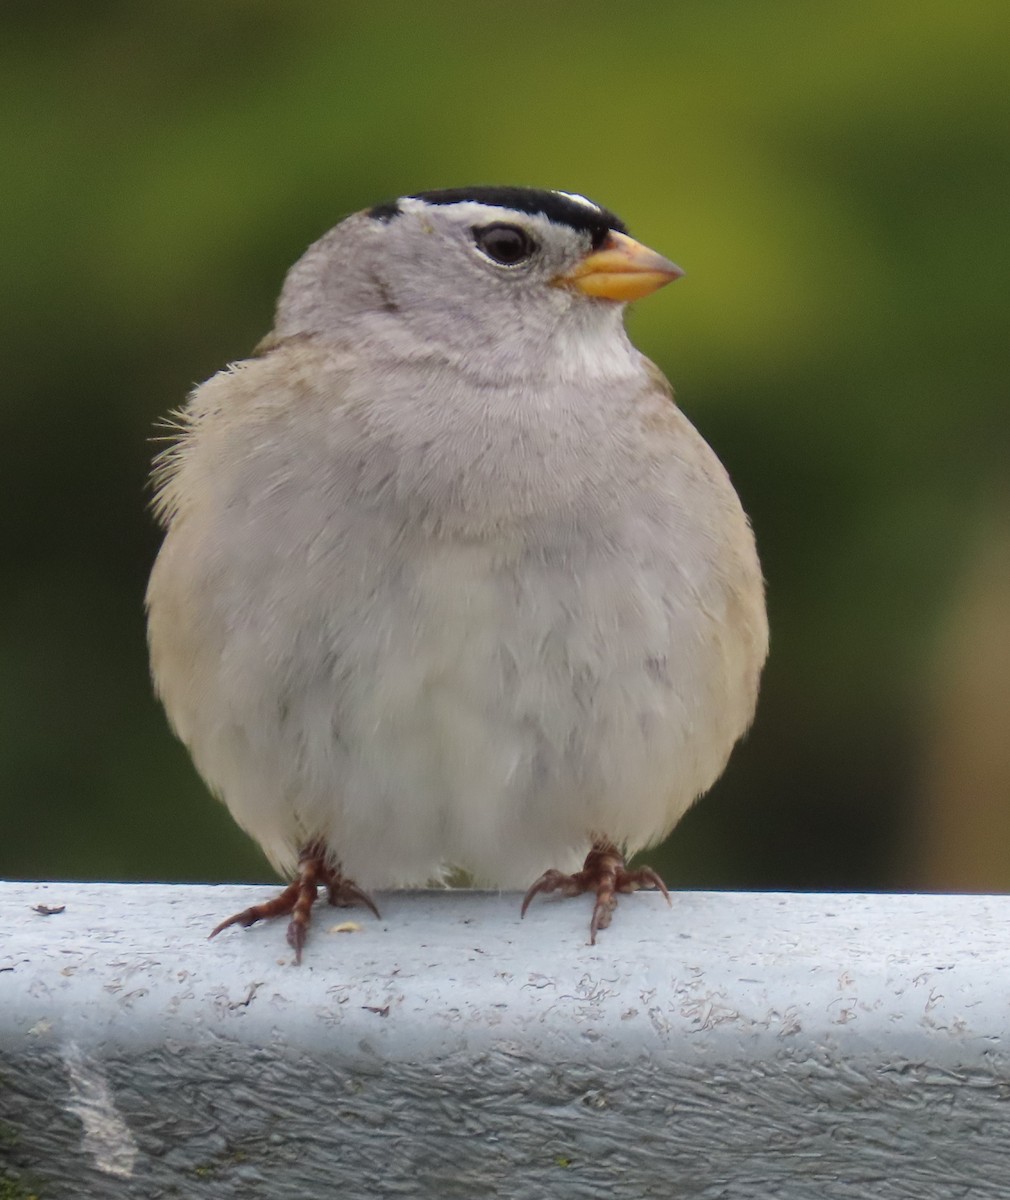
x,y
834,179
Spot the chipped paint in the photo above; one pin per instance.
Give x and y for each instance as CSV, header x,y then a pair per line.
x,y
107,1137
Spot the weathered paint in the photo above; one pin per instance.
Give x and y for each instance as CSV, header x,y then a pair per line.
x,y
738,1047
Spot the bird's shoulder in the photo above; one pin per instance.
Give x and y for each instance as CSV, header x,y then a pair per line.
x,y
281,377
683,460
249,402
656,412
656,398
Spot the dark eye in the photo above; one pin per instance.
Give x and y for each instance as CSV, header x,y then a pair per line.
x,y
504,244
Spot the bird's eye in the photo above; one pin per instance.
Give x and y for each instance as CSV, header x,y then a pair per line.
x,y
507,245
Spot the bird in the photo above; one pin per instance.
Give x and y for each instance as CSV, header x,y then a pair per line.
x,y
448,580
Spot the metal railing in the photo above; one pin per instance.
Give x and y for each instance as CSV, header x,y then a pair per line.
x,y
796,1047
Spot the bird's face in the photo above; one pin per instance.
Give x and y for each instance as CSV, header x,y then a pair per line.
x,y
503,276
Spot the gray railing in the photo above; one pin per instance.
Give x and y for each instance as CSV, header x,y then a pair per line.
x,y
752,1046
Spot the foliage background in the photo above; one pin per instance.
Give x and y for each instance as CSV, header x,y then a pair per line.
x,y
834,180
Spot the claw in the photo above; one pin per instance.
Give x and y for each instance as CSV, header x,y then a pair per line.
x,y
345,893
604,873
299,896
277,907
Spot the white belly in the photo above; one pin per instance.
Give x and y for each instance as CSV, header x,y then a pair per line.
x,y
464,707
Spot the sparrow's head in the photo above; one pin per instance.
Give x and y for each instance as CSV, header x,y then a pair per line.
x,y
478,273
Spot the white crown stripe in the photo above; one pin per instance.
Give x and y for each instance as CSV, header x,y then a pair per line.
x,y
574,196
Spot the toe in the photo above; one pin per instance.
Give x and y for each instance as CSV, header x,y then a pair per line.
x,y
345,893
297,933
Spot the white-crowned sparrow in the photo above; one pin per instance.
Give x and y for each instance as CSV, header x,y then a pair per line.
x,y
448,579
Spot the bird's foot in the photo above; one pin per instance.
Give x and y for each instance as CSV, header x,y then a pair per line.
x,y
604,872
314,868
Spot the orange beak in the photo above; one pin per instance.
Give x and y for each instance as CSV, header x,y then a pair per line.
x,y
622,269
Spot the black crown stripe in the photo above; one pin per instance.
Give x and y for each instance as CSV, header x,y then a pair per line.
x,y
536,201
